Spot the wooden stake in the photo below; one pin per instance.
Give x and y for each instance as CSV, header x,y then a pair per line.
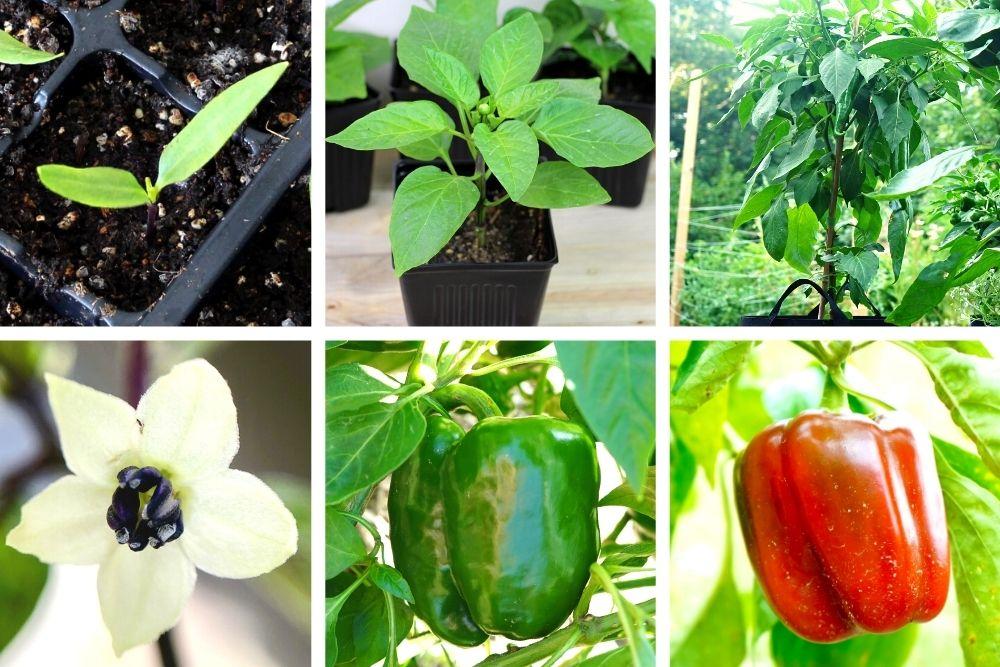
x,y
684,195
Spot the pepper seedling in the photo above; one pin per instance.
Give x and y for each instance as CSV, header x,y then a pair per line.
x,y
188,152
502,130
14,52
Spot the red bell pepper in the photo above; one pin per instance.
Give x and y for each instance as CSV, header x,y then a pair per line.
x,y
844,523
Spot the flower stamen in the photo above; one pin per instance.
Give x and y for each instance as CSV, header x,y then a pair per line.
x,y
140,520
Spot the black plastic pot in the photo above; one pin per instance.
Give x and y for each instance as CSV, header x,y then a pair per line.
x,y
837,316
977,323
98,30
625,184
348,172
470,294
402,89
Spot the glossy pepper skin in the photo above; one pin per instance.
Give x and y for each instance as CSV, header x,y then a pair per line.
x,y
416,517
520,501
844,523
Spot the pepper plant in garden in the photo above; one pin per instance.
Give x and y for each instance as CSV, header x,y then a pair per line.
x,y
472,559
502,130
350,55
855,515
189,151
837,92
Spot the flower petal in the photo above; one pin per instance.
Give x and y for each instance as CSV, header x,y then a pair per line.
x,y
236,526
95,429
66,523
143,593
189,422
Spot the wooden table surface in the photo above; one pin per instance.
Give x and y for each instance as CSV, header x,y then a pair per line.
x,y
606,273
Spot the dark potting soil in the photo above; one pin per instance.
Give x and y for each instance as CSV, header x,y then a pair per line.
x,y
629,83
19,306
41,27
211,52
512,233
270,286
112,119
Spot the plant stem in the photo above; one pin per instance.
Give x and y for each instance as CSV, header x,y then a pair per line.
x,y
167,655
481,182
592,631
137,370
151,212
831,233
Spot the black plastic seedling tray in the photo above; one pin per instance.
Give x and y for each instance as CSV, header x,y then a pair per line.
x,y
98,31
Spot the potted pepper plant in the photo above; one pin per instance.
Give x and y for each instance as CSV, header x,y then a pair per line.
x,y
473,242
349,57
837,98
616,42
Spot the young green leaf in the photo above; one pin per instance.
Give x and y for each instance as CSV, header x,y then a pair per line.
x,y
15,52
213,126
897,47
375,51
478,16
560,184
587,90
344,547
341,10
100,187
452,79
592,136
803,225
913,180
896,122
635,22
798,153
512,55
398,124
758,204
604,56
836,71
429,207
345,75
775,228
967,25
425,30
527,99
511,152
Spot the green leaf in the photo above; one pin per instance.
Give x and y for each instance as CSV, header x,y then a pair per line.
x,y
511,152
614,387
344,547
391,581
213,126
428,30
766,106
968,386
910,181
592,136
603,56
361,629
341,10
428,150
683,469
567,23
512,55
706,370
861,266
345,75
625,496
588,90
398,124
775,228
100,187
619,657
898,229
635,22
701,431
967,25
527,99
480,16
932,283
452,80
559,184
15,52
896,47
718,636
366,444
22,578
869,67
836,71
429,207
375,51
989,260
974,528
349,387
757,204
798,153
891,650
544,24
801,246
967,465
896,123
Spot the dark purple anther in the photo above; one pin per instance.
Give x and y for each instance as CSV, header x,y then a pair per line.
x,y
139,479
141,521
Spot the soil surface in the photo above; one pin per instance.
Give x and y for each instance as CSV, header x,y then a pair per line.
x,y
40,27
629,83
270,285
512,233
211,52
19,306
113,119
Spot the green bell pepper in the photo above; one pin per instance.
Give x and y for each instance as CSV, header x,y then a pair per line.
x,y
419,549
520,499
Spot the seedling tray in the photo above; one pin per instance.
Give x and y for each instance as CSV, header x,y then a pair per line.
x,y
97,31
